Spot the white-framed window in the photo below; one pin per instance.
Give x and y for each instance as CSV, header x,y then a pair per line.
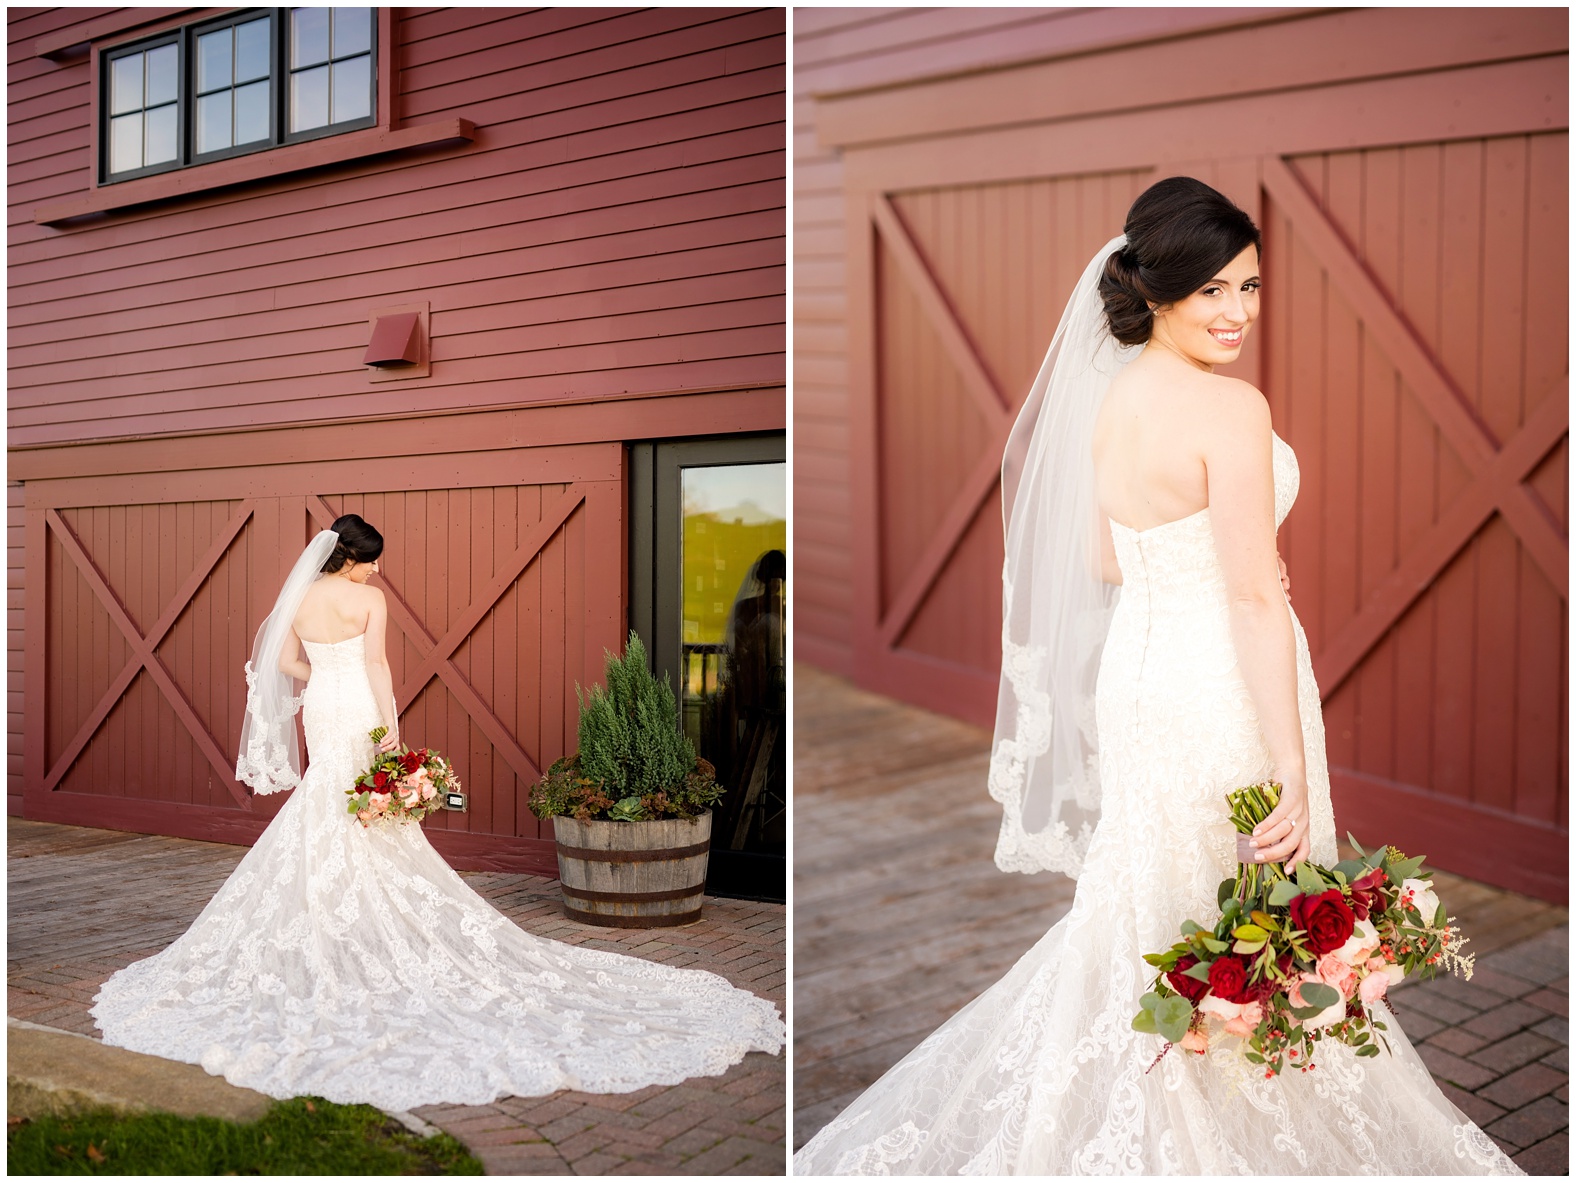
x,y
252,80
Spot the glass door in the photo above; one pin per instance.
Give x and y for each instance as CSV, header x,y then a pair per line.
x,y
711,547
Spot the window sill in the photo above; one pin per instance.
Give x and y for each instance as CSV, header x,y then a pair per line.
x,y
273,162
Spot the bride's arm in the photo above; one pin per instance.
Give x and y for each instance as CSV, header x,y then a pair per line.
x,y
290,658
378,672
1237,460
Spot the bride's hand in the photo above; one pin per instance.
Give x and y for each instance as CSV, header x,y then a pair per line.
x,y
390,741
1282,837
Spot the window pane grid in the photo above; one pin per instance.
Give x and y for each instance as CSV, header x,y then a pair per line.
x,y
321,59
142,109
331,66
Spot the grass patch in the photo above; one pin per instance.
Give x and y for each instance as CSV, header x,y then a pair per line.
x,y
302,1136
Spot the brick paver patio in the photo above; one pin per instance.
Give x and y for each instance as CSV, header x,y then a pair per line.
x,y
900,917
83,903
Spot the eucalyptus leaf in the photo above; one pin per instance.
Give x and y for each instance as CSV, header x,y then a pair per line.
x,y
1173,1016
1148,1001
1224,892
1283,893
1198,972
1306,1012
1189,928
1144,1021
1213,945
1350,869
1309,880
1355,845
1231,909
1319,995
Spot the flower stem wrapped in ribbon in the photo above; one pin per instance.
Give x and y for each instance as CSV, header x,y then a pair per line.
x,y
1297,959
402,785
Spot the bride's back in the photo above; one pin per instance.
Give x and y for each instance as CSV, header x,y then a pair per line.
x,y
1150,440
334,610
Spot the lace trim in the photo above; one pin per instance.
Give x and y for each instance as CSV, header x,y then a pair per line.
x,y
265,762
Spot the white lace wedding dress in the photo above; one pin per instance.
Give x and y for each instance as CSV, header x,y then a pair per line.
x,y
1042,1073
353,964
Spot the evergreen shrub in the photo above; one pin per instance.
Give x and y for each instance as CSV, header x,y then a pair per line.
x,y
634,764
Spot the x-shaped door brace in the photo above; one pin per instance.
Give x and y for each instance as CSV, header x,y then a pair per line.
x,y
142,651
1498,473
435,656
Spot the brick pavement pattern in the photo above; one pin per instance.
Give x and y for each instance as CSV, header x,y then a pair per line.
x,y
84,903
900,918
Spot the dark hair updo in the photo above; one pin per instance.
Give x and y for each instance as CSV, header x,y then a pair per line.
x,y
358,543
1180,233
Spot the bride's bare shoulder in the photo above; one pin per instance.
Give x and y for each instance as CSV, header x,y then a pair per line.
x,y
1236,408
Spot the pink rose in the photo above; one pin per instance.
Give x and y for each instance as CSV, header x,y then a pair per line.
x,y
1372,987
378,803
1363,941
1335,972
1194,1041
428,790
1245,1023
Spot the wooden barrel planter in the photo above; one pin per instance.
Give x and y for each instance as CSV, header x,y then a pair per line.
x,y
633,874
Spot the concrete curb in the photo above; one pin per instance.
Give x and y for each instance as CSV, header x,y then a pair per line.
x,y
57,1072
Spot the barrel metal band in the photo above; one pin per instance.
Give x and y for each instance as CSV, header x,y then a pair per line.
x,y
671,920
662,855
630,897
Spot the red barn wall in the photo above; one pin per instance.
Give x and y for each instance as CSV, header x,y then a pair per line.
x,y
1409,171
605,257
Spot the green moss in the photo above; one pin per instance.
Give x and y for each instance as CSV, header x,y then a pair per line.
x,y
303,1136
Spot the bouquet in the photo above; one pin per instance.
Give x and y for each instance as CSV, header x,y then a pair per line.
x,y
402,785
1294,960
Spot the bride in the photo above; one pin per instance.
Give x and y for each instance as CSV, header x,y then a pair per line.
x,y
1119,732
350,962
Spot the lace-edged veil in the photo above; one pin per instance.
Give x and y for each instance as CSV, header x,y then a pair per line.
x,y
1055,608
270,757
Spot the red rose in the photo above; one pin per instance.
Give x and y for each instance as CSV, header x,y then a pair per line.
x,y
1190,988
1366,893
380,779
409,762
1326,918
1228,979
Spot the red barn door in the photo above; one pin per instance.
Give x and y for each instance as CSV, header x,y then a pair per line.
x,y
504,575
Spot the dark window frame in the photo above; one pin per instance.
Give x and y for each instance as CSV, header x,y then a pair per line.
x,y
185,39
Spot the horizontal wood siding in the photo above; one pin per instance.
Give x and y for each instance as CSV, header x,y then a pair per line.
x,y
16,683
822,598
616,228
603,262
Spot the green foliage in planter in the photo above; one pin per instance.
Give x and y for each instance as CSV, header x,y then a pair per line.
x,y
634,763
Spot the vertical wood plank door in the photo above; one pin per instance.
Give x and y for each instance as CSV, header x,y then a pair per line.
x,y
1416,308
968,283
503,595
